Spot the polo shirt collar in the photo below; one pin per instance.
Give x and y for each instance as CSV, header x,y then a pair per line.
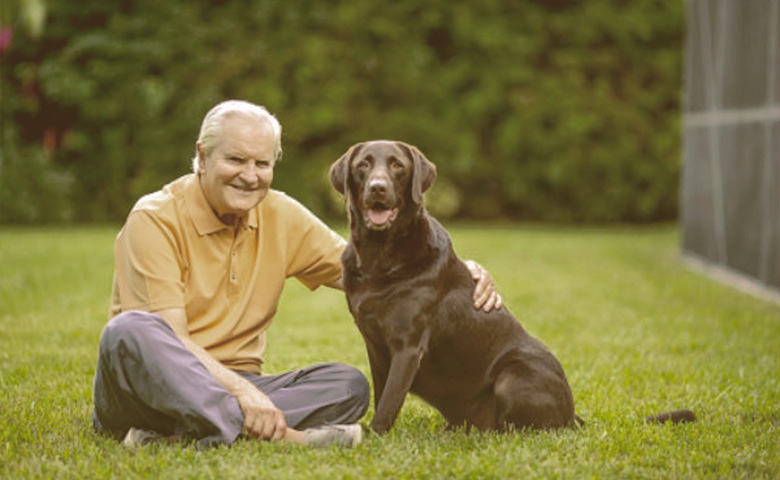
x,y
203,216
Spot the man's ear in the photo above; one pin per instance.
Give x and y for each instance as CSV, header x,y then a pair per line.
x,y
339,171
423,173
201,157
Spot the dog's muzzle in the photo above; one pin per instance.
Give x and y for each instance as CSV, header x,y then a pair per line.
x,y
379,205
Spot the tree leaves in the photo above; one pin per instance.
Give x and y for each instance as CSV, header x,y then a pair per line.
x,y
533,110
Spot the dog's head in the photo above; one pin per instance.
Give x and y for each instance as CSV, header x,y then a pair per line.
x,y
381,178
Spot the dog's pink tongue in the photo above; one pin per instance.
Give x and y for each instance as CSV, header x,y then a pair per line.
x,y
379,217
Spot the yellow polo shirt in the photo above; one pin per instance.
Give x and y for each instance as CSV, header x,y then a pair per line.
x,y
173,252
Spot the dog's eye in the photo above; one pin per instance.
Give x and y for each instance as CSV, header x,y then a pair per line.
x,y
396,164
362,165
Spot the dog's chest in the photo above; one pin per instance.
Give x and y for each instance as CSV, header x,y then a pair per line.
x,y
371,304
392,288
389,311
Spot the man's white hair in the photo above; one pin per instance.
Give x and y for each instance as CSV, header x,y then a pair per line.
x,y
211,128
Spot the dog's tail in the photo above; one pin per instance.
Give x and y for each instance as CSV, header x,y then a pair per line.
x,y
675,416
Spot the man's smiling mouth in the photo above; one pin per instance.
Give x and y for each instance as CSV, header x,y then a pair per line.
x,y
245,189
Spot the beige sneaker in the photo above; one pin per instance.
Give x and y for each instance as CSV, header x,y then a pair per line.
x,y
341,435
136,437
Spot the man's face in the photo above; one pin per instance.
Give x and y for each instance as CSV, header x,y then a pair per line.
x,y
237,174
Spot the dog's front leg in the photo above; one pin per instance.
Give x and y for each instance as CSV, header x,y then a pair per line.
x,y
380,367
403,368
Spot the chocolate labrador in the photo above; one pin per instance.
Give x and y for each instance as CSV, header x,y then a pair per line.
x,y
411,297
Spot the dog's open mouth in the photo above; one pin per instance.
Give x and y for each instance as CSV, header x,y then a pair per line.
x,y
379,217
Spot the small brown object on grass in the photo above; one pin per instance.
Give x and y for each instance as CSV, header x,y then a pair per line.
x,y
675,416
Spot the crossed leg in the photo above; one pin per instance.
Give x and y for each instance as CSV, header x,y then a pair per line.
x,y
147,379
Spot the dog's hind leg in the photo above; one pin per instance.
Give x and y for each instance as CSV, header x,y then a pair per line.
x,y
483,417
527,398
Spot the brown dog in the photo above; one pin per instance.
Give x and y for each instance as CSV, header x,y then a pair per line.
x,y
411,297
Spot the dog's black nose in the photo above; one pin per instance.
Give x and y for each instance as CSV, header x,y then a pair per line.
x,y
377,187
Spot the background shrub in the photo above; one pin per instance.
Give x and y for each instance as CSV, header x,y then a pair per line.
x,y
548,110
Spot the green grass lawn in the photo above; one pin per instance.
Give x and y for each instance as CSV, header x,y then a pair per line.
x,y
636,331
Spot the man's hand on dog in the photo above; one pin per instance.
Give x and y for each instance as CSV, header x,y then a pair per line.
x,y
486,295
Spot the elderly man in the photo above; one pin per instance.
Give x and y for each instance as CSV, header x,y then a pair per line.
x,y
199,269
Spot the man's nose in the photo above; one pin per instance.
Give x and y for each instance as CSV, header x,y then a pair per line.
x,y
250,172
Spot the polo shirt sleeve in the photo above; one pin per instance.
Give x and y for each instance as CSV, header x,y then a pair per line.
x,y
315,249
148,265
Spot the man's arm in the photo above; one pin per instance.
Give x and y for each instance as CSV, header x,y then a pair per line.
x,y
261,417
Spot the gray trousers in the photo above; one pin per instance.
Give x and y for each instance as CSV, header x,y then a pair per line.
x,y
147,379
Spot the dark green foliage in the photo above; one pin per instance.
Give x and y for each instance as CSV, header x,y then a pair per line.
x,y
534,110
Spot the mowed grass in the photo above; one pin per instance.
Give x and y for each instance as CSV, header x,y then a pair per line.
x,y
636,331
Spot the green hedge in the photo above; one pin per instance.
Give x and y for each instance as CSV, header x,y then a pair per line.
x,y
562,111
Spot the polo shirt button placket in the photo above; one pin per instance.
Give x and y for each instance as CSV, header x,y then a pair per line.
x,y
233,276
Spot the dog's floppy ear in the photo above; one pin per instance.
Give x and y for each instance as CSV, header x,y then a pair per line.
x,y
339,171
424,173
